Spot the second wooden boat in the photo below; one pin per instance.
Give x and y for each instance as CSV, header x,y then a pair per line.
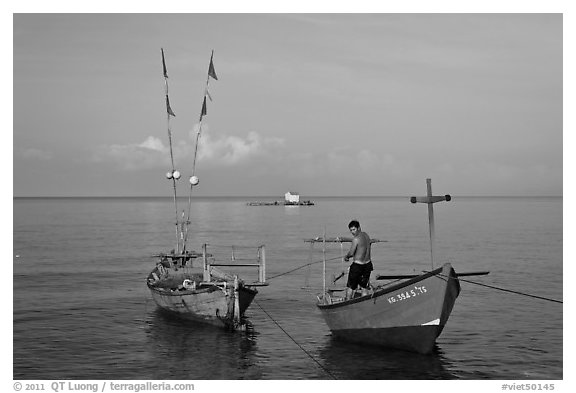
x,y
408,313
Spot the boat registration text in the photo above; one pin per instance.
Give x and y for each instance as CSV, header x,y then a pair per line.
x,y
416,291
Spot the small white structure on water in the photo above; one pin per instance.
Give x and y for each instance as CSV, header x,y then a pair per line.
x,y
292,197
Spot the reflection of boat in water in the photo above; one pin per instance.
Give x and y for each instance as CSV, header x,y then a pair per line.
x,y
353,361
203,294
408,313
185,350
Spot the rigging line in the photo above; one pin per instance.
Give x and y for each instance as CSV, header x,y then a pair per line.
x,y
342,256
196,152
200,120
505,290
301,267
196,146
295,342
193,172
169,130
200,126
171,152
174,187
191,187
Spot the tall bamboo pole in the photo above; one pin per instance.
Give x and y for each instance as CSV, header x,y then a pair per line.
x,y
168,114
202,113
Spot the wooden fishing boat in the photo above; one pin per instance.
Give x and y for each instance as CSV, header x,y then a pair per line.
x,y
408,313
204,294
200,291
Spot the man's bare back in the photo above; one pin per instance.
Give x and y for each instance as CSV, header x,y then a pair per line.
x,y
359,271
360,248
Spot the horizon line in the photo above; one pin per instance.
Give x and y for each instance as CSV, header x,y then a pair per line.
x,y
273,197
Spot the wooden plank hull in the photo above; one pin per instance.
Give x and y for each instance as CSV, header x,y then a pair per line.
x,y
215,307
409,315
212,304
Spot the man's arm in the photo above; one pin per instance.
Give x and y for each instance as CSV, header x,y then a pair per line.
x,y
352,251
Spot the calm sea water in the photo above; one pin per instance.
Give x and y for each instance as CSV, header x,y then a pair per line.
x,y
81,308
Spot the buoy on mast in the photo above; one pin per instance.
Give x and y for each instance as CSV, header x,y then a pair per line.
x,y
175,175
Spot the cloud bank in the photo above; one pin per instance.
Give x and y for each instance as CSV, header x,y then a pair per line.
x,y
34,154
213,151
234,150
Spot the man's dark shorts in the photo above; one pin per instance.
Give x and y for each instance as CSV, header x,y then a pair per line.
x,y
359,275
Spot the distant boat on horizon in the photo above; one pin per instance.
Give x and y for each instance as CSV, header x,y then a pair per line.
x,y
290,199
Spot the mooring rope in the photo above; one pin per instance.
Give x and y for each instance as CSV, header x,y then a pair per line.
x,y
438,274
300,267
295,342
503,289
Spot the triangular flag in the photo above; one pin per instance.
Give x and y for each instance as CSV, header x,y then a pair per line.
x,y
168,109
211,71
164,64
204,112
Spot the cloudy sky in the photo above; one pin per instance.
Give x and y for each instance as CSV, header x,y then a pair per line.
x,y
323,104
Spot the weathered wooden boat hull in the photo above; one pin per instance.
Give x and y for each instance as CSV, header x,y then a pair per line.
x,y
215,307
213,302
409,315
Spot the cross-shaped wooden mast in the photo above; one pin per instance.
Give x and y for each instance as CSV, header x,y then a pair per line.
x,y
430,199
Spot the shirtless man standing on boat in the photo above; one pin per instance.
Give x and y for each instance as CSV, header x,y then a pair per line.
x,y
359,273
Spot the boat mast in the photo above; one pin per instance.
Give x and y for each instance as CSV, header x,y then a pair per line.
x,y
174,174
324,264
429,199
194,179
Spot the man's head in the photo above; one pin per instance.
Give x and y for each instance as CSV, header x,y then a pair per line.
x,y
354,227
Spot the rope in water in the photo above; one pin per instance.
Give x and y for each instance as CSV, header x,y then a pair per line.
x,y
438,274
295,342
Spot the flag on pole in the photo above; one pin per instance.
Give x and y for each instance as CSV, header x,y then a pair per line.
x,y
168,109
164,64
211,71
204,112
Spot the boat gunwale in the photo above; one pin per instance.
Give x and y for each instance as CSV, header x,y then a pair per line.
x,y
187,292
388,289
